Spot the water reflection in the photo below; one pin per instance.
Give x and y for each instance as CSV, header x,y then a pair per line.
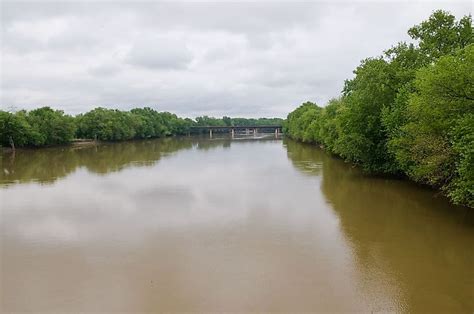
x,y
407,239
194,224
49,164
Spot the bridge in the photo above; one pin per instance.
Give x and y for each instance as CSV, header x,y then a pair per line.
x,y
237,129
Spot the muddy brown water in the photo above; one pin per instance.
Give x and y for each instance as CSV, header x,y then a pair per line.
x,y
196,224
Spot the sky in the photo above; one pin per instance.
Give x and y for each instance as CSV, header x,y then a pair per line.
x,y
240,58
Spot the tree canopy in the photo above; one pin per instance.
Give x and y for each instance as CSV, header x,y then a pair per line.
x,y
408,112
45,126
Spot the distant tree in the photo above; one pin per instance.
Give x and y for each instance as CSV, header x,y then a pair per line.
x,y
441,34
209,121
299,121
49,127
107,125
14,130
149,123
227,120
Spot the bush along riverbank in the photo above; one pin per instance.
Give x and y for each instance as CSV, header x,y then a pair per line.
x,y
407,112
48,127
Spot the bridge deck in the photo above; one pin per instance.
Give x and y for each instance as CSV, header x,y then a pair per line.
x,y
229,127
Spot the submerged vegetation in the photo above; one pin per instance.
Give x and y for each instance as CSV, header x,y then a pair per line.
x,y
408,112
45,126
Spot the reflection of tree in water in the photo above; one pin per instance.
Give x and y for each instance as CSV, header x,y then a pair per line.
x,y
305,157
48,164
403,236
206,144
111,157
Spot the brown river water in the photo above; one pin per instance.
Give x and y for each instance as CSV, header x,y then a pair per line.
x,y
248,225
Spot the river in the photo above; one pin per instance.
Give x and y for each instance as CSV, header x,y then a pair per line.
x,y
197,224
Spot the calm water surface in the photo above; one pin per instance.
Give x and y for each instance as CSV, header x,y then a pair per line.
x,y
243,225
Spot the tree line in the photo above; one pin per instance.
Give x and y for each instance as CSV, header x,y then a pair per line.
x,y
228,121
45,126
408,112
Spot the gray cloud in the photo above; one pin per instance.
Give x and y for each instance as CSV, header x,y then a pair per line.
x,y
160,53
104,70
238,58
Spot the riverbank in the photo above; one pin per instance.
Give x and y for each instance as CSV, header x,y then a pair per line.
x,y
408,111
398,176
45,126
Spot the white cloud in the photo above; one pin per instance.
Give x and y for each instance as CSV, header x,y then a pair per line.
x,y
160,52
238,58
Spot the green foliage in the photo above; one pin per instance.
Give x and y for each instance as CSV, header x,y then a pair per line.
x,y
39,127
139,123
329,131
299,121
14,129
362,138
441,34
174,125
108,125
408,112
435,145
209,121
45,126
150,123
50,127
228,121
461,188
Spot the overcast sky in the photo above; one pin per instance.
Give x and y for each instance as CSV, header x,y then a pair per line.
x,y
260,58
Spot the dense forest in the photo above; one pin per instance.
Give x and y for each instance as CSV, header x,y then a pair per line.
x,y
408,112
45,126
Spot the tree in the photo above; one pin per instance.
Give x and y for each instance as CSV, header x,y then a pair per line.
x,y
107,125
50,127
409,111
227,120
329,132
299,120
149,123
362,138
441,34
435,145
14,129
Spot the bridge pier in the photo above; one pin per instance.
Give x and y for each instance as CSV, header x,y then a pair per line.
x,y
210,133
255,131
247,131
232,132
276,132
